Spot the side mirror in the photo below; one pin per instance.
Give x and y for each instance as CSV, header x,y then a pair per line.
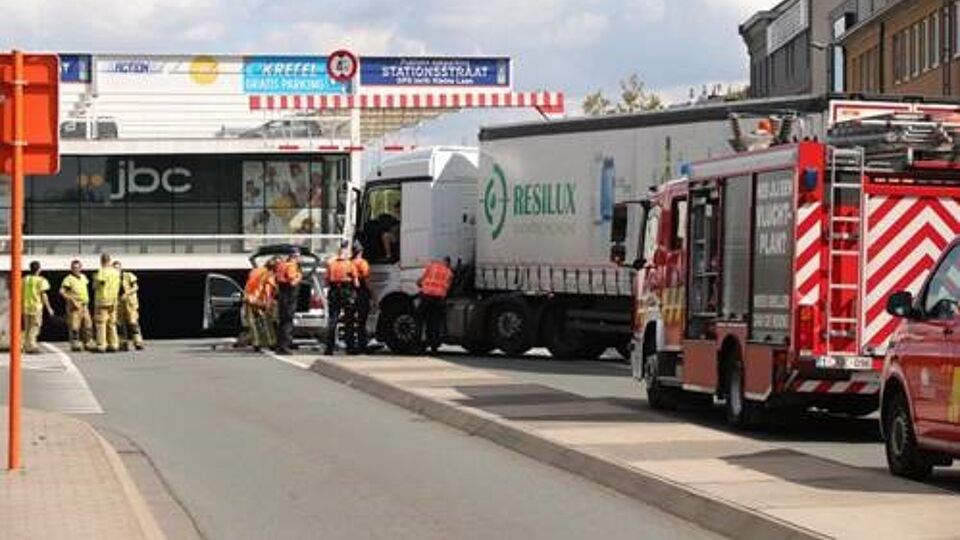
x,y
900,304
638,264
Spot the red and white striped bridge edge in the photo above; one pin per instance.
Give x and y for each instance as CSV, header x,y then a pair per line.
x,y
548,102
835,387
905,237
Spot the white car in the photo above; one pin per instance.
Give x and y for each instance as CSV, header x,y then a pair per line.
x,y
223,297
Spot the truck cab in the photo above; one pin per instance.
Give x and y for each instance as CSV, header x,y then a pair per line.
x,y
415,208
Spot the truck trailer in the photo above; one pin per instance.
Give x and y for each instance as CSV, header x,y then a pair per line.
x,y
765,274
537,221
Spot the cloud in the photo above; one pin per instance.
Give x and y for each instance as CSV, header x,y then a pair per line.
x,y
578,29
644,11
327,36
110,24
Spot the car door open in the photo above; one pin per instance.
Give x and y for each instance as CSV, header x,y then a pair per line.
x,y
222,302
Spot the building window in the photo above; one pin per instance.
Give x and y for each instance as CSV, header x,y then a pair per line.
x,y
955,28
933,28
897,59
922,45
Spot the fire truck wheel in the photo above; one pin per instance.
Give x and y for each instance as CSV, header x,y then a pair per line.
x,y
509,325
658,396
904,458
739,410
400,328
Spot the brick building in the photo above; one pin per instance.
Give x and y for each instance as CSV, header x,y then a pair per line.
x,y
907,47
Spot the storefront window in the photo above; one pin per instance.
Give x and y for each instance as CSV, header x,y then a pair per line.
x,y
194,195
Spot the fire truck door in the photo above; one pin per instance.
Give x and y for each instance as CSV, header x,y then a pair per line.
x,y
704,263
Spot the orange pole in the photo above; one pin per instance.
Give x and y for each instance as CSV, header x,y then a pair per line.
x,y
16,249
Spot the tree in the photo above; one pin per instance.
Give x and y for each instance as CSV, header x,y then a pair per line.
x,y
633,98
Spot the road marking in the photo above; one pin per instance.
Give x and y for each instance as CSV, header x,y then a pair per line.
x,y
78,396
288,360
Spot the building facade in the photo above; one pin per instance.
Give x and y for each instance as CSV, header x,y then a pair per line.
x,y
789,48
902,47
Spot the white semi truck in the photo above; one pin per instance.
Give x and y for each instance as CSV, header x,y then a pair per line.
x,y
540,223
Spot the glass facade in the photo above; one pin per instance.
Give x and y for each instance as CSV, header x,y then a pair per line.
x,y
185,195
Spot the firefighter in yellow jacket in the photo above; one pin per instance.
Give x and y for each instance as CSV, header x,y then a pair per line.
x,y
106,286
128,310
76,296
35,300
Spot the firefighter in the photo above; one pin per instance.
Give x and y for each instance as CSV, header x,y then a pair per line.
x,y
342,284
363,295
106,292
76,295
257,300
288,281
434,285
128,309
35,301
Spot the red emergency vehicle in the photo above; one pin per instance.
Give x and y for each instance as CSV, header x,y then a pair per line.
x,y
764,275
920,416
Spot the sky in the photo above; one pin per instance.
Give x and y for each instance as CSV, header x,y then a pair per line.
x,y
574,46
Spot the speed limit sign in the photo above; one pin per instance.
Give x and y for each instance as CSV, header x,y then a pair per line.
x,y
342,65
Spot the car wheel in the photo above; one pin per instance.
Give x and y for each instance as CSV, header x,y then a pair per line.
x,y
510,328
400,328
739,410
904,457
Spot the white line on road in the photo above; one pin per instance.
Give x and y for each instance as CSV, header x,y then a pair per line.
x,y
292,360
79,383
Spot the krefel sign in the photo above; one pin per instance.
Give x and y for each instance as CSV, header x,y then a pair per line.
x,y
434,71
289,75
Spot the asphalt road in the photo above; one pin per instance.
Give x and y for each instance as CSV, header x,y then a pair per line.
x,y
256,448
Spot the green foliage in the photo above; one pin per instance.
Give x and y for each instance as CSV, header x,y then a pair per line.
x,y
634,97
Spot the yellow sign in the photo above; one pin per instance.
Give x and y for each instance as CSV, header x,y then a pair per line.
x,y
204,70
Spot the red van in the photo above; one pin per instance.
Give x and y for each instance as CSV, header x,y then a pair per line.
x,y
920,400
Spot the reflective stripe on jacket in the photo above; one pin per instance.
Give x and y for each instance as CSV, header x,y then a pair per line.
x,y
436,280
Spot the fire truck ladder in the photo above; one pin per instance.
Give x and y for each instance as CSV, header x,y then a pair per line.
x,y
844,240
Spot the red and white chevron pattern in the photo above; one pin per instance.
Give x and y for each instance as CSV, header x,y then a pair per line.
x,y
905,237
808,254
814,386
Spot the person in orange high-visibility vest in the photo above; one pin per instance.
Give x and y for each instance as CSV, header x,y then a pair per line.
x,y
434,285
341,299
363,294
289,277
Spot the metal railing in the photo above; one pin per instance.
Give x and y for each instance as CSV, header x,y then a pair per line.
x,y
166,244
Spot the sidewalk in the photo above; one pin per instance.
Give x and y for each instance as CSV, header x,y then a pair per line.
x,y
740,487
71,485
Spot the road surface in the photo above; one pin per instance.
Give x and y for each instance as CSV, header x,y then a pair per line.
x,y
256,448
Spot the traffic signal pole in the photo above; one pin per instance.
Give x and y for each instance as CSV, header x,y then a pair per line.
x,y
16,250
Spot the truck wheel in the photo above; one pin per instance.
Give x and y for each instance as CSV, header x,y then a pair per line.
x,y
658,396
562,343
740,411
400,328
510,328
592,351
478,348
904,458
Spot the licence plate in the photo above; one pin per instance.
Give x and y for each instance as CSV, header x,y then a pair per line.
x,y
857,363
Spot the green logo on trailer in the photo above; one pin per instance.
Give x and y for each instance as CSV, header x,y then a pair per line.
x,y
495,201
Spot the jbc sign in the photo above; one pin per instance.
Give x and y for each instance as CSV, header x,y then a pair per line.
x,y
132,179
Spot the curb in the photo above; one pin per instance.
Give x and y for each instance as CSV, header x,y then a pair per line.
x,y
148,524
726,518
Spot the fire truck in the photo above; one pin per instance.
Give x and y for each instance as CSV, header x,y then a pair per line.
x,y
763,276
